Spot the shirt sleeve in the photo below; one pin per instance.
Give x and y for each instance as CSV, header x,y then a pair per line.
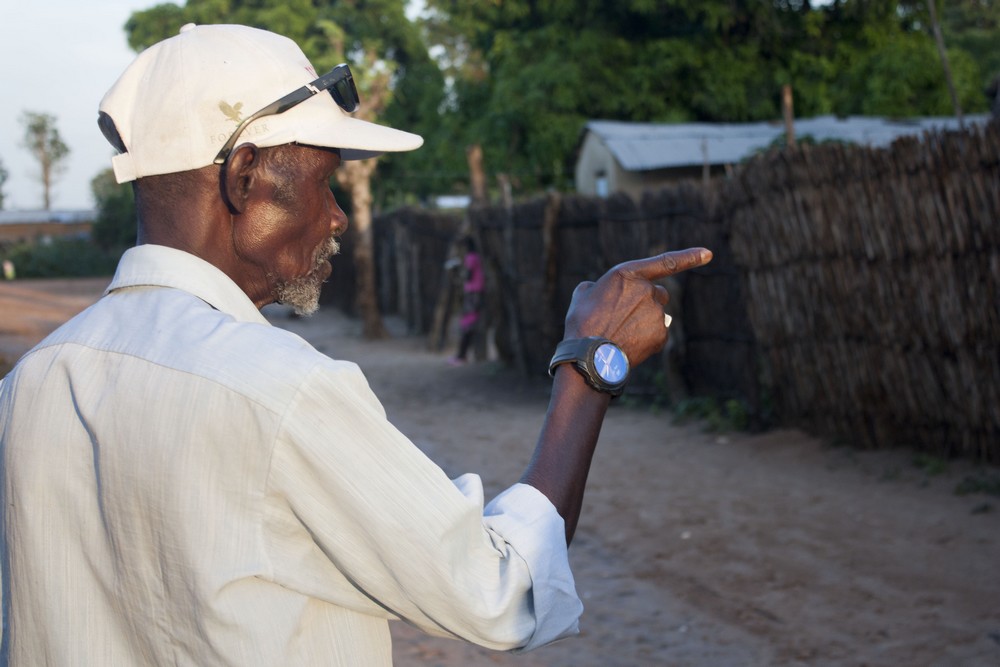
x,y
361,518
526,520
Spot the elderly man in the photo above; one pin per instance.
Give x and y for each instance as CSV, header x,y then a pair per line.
x,y
185,484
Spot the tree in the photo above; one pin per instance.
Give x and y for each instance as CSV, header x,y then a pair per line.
x,y
973,26
374,35
528,75
889,65
41,138
115,225
3,180
946,67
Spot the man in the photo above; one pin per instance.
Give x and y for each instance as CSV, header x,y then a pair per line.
x,y
184,484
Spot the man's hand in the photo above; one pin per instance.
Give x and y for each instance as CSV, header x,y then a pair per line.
x,y
626,306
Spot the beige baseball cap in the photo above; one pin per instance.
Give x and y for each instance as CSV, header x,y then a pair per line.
x,y
181,100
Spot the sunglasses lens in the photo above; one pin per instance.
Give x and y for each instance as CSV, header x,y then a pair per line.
x,y
346,94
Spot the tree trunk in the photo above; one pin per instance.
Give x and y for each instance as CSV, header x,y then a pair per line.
x,y
939,40
46,179
788,110
477,177
355,176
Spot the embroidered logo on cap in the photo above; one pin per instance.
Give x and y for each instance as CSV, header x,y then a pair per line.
x,y
233,112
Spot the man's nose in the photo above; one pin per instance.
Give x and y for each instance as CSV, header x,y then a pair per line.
x,y
338,220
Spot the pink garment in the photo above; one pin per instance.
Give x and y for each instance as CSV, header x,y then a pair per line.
x,y
474,281
473,288
468,320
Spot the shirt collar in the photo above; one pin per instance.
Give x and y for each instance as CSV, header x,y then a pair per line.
x,y
160,266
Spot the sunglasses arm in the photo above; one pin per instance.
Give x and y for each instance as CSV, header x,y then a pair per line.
x,y
285,103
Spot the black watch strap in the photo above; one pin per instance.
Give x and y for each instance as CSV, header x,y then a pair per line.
x,y
581,353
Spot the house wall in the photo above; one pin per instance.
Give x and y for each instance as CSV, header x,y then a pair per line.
x,y
595,159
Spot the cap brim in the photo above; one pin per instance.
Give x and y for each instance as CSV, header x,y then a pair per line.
x,y
367,139
320,122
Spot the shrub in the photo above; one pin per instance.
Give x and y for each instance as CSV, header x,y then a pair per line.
x,y
62,258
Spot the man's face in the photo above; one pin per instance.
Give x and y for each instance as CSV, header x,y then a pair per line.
x,y
295,224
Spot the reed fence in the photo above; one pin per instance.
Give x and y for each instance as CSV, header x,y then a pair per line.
x,y
873,284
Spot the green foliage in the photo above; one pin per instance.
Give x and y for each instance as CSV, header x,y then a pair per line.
x,y
902,76
149,26
729,415
3,179
973,27
42,138
62,258
983,482
930,465
115,226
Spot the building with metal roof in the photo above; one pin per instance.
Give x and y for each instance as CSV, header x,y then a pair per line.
x,y
32,226
628,157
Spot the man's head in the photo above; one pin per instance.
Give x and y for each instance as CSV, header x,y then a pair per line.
x,y
232,140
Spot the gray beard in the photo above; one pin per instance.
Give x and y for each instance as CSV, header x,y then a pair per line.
x,y
303,293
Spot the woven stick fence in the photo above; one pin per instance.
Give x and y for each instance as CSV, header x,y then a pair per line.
x,y
873,282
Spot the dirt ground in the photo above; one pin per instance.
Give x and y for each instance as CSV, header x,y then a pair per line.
x,y
694,549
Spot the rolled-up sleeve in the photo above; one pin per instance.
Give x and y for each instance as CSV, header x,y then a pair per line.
x,y
528,521
360,518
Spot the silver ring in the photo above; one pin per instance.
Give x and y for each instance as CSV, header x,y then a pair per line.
x,y
667,320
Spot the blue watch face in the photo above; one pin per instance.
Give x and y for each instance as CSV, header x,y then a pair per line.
x,y
610,363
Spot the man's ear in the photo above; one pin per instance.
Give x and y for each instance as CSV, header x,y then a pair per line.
x,y
237,176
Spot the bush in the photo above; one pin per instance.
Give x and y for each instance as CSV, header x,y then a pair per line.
x,y
73,258
730,415
115,226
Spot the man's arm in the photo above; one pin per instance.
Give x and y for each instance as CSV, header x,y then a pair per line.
x,y
626,307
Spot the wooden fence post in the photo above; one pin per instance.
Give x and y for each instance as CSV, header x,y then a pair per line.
x,y
550,244
508,273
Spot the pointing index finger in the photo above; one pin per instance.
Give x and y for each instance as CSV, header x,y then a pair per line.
x,y
667,264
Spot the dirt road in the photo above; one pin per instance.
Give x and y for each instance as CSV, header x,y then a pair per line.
x,y
695,549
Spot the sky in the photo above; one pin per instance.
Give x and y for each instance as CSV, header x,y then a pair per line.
x,y
59,57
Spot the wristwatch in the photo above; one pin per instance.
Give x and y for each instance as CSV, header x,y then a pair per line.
x,y
602,363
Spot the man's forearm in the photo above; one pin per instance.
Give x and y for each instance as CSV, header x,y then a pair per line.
x,y
561,462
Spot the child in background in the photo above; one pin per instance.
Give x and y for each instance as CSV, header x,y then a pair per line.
x,y
472,300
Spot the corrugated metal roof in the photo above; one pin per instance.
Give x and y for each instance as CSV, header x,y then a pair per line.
x,y
645,146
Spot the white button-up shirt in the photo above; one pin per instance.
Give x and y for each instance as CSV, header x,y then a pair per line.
x,y
185,484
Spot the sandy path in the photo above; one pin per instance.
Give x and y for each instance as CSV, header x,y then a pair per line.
x,y
694,548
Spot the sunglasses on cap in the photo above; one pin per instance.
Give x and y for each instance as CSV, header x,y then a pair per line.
x,y
338,82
